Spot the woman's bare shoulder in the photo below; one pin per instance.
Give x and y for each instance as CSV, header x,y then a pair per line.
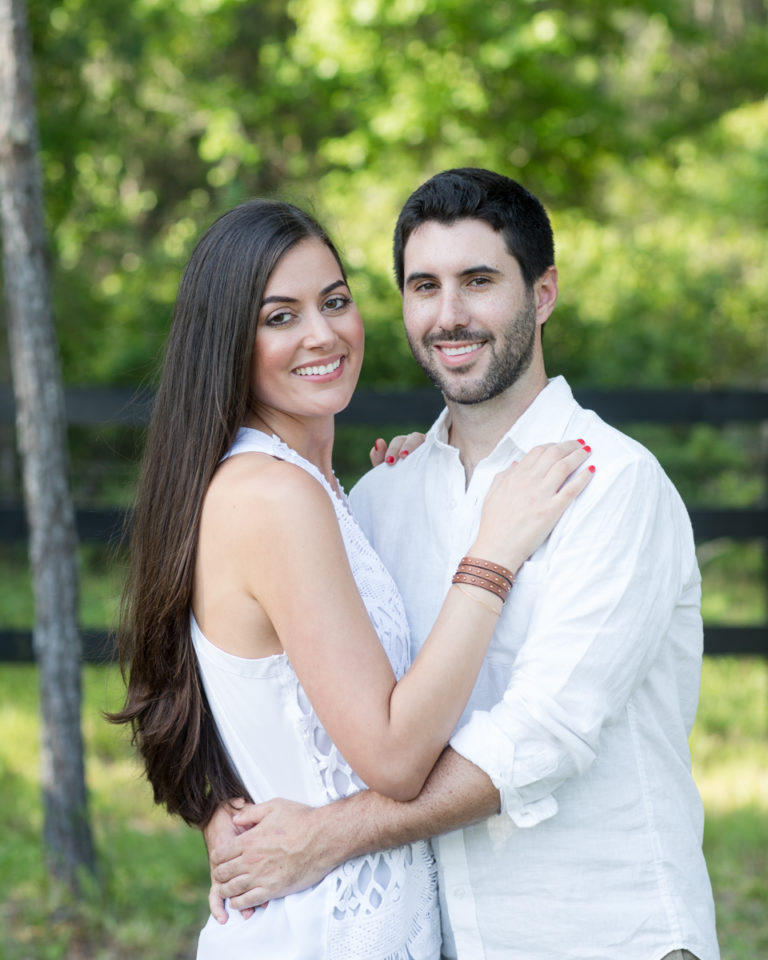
x,y
258,489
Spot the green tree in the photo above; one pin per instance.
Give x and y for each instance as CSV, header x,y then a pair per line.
x,y
157,115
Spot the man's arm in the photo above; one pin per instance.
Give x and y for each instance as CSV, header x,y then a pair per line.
x,y
293,846
621,566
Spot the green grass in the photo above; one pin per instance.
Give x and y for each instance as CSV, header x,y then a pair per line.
x,y
100,584
729,747
149,900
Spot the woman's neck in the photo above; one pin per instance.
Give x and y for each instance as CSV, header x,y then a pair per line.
x,y
311,437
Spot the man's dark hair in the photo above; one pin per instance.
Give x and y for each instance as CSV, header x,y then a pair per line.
x,y
472,193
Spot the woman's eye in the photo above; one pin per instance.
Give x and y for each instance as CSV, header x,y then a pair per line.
x,y
279,319
337,303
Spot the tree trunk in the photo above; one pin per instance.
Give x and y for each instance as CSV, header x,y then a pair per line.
x,y
41,433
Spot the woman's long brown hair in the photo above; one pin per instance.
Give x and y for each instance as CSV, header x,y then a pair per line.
x,y
202,400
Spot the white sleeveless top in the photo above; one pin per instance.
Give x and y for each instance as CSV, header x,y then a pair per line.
x,y
378,907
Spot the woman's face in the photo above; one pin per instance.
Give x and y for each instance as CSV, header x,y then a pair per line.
x,y
309,337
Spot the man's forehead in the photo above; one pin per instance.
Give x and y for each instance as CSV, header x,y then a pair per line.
x,y
437,245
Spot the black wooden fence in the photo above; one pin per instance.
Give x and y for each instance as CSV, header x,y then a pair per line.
x,y
93,406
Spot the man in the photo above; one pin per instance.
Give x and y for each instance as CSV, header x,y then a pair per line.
x,y
570,772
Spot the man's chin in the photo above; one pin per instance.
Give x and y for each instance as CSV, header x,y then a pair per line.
x,y
468,393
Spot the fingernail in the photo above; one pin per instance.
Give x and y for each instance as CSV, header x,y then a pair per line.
x,y
390,459
581,442
403,453
587,449
591,468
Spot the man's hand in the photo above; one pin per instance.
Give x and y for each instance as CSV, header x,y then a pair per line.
x,y
280,850
219,831
268,850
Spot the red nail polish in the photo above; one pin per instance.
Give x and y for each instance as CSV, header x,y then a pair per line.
x,y
591,468
404,453
587,449
581,442
390,459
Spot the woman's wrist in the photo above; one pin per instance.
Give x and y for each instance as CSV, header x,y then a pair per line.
x,y
485,575
492,554
478,595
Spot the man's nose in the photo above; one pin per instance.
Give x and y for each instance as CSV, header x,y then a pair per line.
x,y
452,311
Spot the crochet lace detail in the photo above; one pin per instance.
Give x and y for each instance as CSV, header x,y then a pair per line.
x,y
380,895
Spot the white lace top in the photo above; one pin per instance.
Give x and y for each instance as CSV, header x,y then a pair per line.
x,y
378,907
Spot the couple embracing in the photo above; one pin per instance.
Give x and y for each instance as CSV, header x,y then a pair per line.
x,y
458,702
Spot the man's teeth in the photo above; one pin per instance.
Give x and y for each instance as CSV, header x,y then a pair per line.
x,y
457,351
318,371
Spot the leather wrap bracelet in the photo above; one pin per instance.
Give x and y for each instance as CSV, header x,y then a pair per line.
x,y
485,574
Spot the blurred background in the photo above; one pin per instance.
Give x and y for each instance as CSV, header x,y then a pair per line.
x,y
642,126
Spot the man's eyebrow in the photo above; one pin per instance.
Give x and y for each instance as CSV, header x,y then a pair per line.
x,y
419,276
468,272
278,299
480,268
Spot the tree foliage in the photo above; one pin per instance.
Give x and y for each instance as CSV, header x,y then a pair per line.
x,y
642,125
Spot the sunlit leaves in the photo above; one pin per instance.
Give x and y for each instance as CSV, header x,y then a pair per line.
x,y
642,129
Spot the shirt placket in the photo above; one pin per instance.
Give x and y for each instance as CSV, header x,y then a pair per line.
x,y
458,892
459,532
459,896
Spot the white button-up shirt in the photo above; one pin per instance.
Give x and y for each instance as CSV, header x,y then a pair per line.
x,y
582,710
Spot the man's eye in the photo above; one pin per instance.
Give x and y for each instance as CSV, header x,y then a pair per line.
x,y
479,281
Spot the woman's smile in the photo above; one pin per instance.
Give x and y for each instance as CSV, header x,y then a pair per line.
x,y
324,371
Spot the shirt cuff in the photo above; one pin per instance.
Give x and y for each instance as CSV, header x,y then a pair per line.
x,y
481,742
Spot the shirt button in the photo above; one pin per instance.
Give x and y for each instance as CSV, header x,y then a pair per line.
x,y
459,893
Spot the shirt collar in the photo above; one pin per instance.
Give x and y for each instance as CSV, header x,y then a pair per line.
x,y
544,421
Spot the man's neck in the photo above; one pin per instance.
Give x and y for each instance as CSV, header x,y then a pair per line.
x,y
476,428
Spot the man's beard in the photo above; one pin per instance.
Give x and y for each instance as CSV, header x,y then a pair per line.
x,y
511,353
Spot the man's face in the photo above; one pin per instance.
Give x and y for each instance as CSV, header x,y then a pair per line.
x,y
469,317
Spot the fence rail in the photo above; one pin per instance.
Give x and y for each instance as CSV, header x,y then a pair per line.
x,y
101,406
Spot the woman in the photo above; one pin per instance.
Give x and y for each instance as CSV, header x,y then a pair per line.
x,y
266,647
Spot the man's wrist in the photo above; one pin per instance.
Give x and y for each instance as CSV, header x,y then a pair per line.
x,y
456,794
347,828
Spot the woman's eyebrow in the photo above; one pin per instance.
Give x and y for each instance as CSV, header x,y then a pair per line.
x,y
276,298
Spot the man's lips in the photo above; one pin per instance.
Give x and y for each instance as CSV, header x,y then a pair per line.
x,y
458,354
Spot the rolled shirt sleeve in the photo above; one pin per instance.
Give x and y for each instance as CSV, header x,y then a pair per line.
x,y
617,569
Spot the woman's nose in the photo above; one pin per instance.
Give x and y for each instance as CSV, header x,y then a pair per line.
x,y
318,332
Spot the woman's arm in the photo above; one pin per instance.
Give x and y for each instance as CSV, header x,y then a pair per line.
x,y
287,542
275,848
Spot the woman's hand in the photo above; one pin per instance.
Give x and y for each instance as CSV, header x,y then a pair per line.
x,y
398,448
526,500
